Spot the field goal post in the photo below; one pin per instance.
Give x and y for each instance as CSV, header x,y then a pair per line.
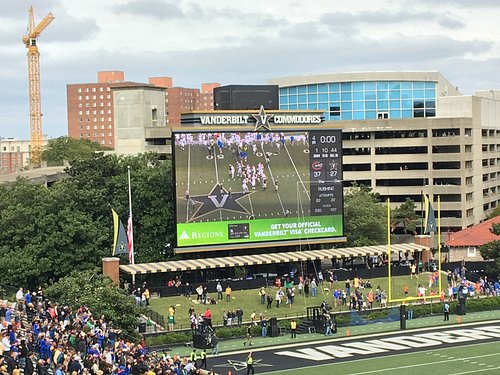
x,y
390,297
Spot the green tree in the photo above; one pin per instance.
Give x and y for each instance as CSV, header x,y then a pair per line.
x,y
405,216
92,289
70,149
491,250
365,218
45,233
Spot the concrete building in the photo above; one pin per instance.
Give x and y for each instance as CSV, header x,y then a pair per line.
x,y
181,99
15,154
139,120
91,108
408,133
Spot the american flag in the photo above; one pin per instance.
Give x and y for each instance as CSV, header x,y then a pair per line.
x,y
130,235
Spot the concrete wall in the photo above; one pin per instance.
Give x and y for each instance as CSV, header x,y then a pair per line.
x,y
134,112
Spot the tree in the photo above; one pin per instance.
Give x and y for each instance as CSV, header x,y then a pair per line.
x,y
491,250
405,216
70,149
92,289
365,218
46,233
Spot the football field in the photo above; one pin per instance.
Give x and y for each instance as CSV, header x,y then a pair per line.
x,y
247,180
482,358
452,349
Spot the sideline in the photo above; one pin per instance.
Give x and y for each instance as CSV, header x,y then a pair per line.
x,y
408,366
356,337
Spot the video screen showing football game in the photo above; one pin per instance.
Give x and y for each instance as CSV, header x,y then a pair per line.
x,y
248,187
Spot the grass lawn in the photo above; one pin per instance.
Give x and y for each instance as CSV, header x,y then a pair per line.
x,y
249,301
467,359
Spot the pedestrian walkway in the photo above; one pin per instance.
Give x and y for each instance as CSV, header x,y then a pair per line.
x,y
231,345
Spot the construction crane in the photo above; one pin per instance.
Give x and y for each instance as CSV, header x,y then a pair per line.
x,y
29,40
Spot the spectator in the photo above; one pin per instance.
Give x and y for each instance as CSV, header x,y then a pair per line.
x,y
219,291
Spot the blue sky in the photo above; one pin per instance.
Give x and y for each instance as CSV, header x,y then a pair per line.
x,y
238,41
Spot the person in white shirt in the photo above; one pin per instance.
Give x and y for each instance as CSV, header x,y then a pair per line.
x,y
20,295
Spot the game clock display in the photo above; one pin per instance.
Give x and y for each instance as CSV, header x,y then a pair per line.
x,y
253,187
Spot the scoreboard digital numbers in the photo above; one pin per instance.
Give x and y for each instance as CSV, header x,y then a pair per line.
x,y
325,155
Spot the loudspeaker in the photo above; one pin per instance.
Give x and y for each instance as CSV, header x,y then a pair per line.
x,y
142,328
273,327
201,340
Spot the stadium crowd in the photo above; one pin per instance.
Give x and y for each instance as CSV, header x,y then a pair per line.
x,y
40,337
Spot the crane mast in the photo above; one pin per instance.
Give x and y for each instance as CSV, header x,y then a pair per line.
x,y
35,102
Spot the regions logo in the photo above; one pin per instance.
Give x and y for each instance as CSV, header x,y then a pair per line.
x,y
316,165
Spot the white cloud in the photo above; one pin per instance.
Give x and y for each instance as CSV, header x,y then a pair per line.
x,y
239,42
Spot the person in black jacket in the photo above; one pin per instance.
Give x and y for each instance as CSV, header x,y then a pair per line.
x,y
29,367
42,367
11,362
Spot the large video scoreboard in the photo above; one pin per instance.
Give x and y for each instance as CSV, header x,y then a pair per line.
x,y
252,187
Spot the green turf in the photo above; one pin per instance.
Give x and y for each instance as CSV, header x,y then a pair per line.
x,y
249,301
468,359
199,174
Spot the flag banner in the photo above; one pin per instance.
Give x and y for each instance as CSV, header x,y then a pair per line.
x,y
430,219
130,235
120,242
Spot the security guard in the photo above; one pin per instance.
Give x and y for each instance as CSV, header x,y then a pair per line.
x,y
193,357
250,364
203,357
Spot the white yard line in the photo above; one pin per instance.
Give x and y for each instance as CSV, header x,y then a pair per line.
x,y
272,179
216,176
296,171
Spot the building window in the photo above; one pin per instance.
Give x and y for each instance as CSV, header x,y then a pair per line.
x,y
79,98
471,252
79,90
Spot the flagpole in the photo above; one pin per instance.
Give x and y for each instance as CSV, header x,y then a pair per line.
x,y
439,242
422,201
389,258
132,260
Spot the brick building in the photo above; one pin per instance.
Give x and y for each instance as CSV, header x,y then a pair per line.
x,y
90,105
